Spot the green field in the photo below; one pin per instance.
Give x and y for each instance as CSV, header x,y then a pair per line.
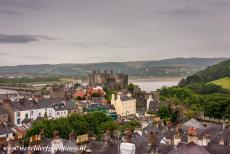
x,y
224,82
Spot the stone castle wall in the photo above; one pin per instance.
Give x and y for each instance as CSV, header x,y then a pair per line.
x,y
111,80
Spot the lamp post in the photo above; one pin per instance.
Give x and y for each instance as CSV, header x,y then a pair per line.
x,y
118,140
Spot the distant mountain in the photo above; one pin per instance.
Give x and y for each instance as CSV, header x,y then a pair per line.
x,y
211,73
159,68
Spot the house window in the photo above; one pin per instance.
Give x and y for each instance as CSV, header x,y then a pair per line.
x,y
58,113
18,121
26,116
18,114
39,114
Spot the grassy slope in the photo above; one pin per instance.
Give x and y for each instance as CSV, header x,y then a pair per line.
x,y
224,82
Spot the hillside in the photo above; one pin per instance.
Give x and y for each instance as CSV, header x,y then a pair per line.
x,y
211,73
204,92
223,82
167,67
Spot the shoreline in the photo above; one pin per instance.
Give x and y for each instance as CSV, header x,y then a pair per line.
x,y
155,79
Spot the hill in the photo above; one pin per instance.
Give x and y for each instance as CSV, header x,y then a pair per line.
x,y
166,67
204,92
211,73
224,82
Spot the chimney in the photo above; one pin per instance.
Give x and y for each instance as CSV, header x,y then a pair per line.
x,y
107,137
152,139
42,134
205,140
225,123
35,99
221,140
118,96
22,101
56,143
192,135
176,139
113,99
72,136
128,135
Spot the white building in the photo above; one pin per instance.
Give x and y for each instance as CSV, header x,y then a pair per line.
x,y
29,109
124,105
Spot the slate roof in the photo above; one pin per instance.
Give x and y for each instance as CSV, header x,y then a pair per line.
x,y
194,123
4,130
97,147
212,130
165,148
71,105
111,148
126,98
110,106
218,149
140,142
2,111
43,103
98,99
190,148
153,105
95,106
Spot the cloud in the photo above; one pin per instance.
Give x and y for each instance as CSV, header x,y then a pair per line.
x,y
9,12
104,44
8,38
4,54
31,4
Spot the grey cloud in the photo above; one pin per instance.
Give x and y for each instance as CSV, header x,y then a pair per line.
x,y
9,12
187,12
104,44
6,38
4,54
32,4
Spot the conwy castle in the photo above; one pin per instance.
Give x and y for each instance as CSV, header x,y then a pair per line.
x,y
111,80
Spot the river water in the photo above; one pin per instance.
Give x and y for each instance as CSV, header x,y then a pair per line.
x,y
153,84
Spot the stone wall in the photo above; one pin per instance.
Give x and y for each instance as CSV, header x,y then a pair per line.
x,y
111,80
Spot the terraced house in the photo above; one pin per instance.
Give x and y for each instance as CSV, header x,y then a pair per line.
x,y
22,110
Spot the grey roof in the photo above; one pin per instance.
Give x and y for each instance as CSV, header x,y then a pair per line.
x,y
95,106
2,111
165,148
126,98
97,147
190,148
4,130
153,105
218,149
194,123
57,104
111,148
98,99
71,105
212,130
140,142
110,106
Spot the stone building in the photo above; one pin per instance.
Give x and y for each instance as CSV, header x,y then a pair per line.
x,y
3,116
124,105
111,80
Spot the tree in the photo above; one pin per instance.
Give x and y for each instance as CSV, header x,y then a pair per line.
x,y
131,87
109,93
163,112
130,125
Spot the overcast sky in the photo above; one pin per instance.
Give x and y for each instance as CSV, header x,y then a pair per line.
x,y
83,31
